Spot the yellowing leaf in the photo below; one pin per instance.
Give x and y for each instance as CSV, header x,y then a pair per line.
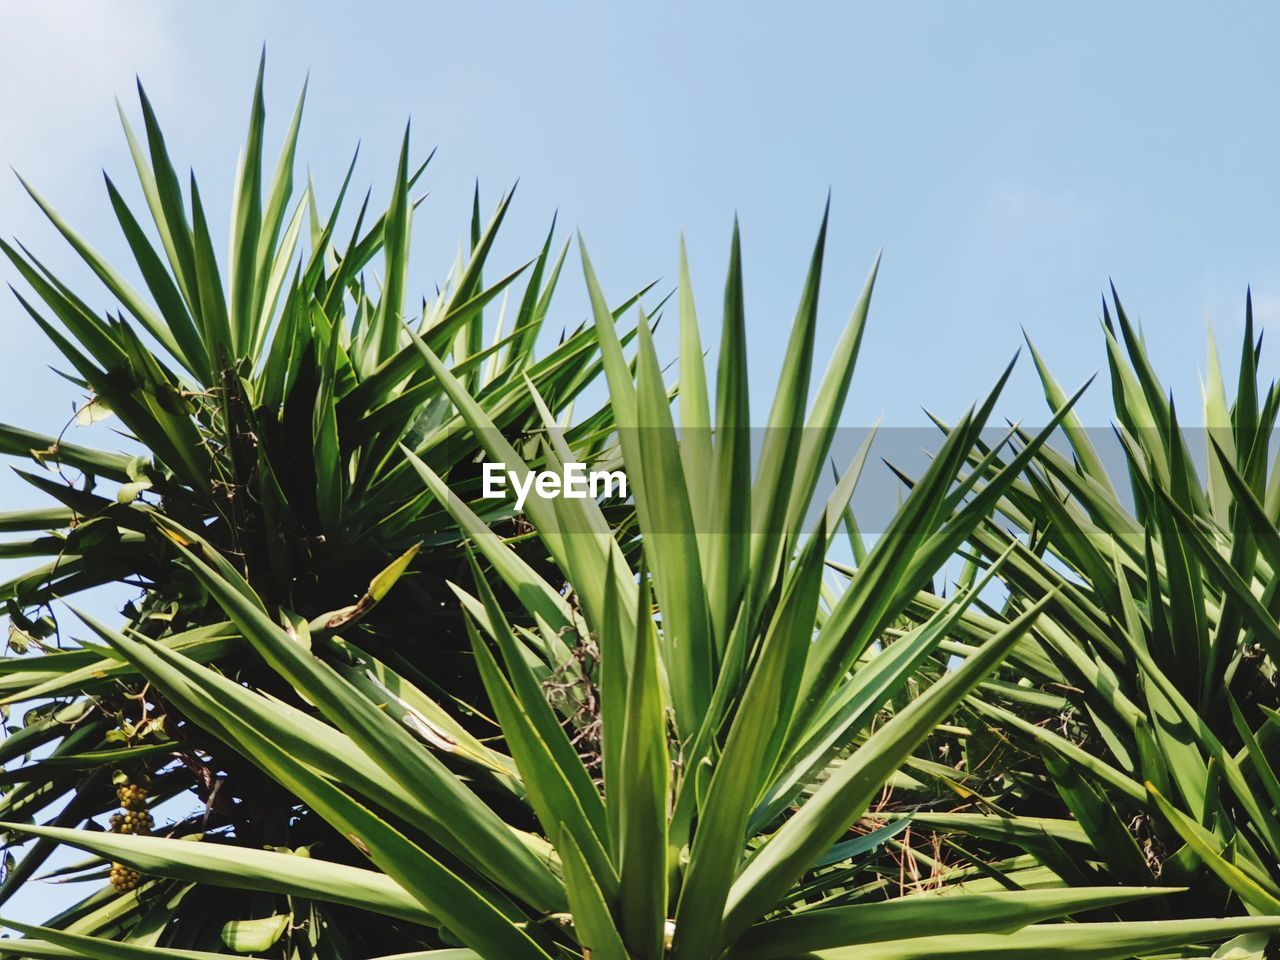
x,y
254,936
92,412
381,585
130,492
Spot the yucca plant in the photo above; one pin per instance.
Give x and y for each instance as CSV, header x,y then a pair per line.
x,y
680,745
1140,720
264,401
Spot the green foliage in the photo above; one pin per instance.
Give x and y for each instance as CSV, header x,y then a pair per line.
x,y
269,401
420,724
1144,705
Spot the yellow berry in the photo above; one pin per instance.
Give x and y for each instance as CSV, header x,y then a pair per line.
x,y
123,879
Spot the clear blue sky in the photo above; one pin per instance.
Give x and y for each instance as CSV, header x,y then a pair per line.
x,y
1008,158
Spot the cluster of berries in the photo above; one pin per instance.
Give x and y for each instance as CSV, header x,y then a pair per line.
x,y
123,878
134,819
131,795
